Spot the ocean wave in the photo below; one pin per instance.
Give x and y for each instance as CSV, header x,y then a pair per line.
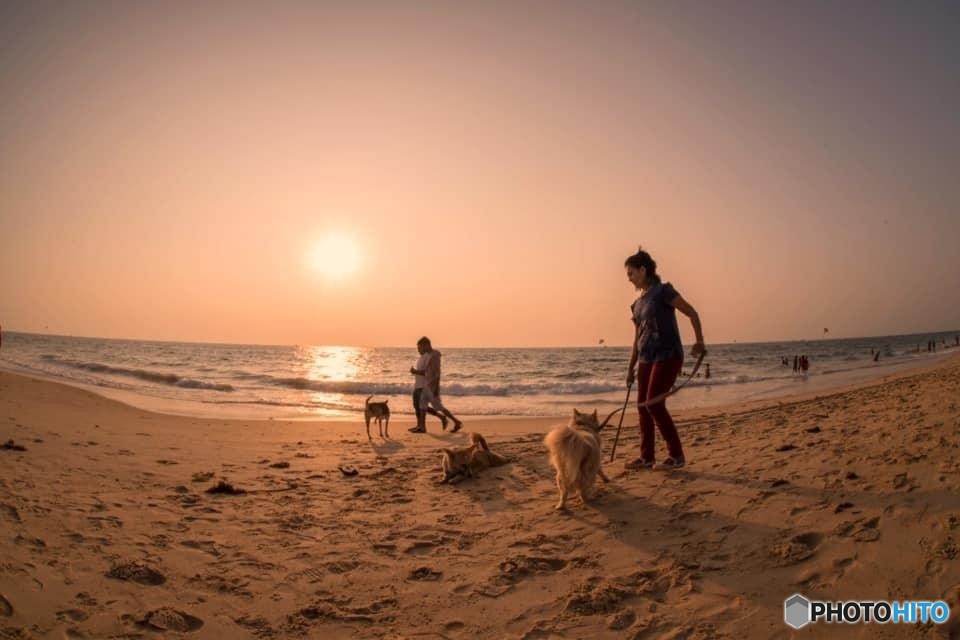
x,y
158,377
354,387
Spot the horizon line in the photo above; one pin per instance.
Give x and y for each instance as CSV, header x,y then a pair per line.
x,y
569,346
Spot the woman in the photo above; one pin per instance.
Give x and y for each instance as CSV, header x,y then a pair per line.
x,y
657,356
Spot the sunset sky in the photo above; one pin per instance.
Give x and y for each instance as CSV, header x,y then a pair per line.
x,y
191,171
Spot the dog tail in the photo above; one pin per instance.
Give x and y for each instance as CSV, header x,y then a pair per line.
x,y
368,401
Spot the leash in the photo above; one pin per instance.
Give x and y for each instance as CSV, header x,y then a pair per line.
x,y
620,424
654,400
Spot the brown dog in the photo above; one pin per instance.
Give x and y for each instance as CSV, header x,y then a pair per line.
x,y
467,461
380,412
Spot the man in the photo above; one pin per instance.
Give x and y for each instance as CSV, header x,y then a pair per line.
x,y
426,389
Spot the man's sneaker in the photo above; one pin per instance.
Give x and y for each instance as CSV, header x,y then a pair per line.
x,y
417,430
670,463
456,426
443,422
638,463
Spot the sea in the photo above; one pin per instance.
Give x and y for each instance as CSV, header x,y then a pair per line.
x,y
333,382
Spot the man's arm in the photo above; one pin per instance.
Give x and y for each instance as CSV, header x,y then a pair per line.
x,y
432,372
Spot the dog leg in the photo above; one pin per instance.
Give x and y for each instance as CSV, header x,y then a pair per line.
x,y
386,429
367,418
562,486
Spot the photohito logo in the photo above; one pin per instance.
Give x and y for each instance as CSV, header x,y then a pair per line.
x,y
799,611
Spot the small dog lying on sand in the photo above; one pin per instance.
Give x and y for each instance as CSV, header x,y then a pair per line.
x,y
467,461
380,412
576,454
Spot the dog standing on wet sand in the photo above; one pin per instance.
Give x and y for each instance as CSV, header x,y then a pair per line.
x,y
576,454
380,412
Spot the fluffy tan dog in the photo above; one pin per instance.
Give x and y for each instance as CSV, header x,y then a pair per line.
x,y
576,454
467,461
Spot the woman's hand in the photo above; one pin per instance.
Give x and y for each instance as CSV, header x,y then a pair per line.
x,y
698,349
630,378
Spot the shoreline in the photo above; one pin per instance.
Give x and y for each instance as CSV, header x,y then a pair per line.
x,y
330,384
110,531
161,407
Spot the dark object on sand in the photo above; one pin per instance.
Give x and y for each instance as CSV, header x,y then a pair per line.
x,y
348,471
10,445
280,465
227,488
169,619
136,571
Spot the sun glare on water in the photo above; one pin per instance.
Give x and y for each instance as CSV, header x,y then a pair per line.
x,y
334,256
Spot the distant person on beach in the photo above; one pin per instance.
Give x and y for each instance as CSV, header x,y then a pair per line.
x,y
427,381
656,356
706,374
420,382
876,356
796,364
804,364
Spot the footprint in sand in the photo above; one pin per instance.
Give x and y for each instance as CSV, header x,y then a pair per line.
x,y
420,547
169,619
341,566
136,571
796,549
6,609
622,620
36,543
868,531
9,511
105,522
600,598
86,599
74,615
207,546
520,567
424,574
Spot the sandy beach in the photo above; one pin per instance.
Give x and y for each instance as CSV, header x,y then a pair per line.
x,y
109,532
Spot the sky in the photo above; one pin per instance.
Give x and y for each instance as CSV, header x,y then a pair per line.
x,y
178,170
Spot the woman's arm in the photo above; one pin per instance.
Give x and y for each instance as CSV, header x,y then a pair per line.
x,y
686,309
633,357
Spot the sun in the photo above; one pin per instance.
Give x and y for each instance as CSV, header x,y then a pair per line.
x,y
334,256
